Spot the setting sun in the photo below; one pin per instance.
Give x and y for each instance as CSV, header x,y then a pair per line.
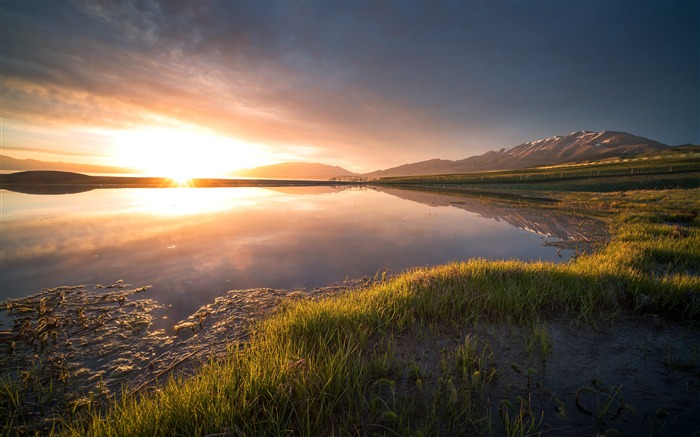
x,y
183,154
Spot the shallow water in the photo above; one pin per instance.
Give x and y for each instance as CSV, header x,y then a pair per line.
x,y
193,245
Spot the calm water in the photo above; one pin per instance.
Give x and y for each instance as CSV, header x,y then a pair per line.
x,y
195,244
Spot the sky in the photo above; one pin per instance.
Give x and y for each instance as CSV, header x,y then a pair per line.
x,y
216,86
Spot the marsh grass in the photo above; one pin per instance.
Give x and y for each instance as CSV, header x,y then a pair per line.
x,y
539,342
48,339
520,420
604,403
332,367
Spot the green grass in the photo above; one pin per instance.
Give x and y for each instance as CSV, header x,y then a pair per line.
x,y
333,367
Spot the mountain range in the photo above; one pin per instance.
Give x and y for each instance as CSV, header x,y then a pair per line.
x,y
294,170
576,147
10,163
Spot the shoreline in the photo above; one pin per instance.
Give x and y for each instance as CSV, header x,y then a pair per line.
x,y
56,182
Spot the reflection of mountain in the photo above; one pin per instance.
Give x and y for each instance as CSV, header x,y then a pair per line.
x,y
542,222
48,189
321,189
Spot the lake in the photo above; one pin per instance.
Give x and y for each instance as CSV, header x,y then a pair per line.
x,y
193,245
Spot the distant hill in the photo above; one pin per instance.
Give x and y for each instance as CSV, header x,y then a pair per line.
x,y
684,148
45,177
45,182
575,147
294,170
9,163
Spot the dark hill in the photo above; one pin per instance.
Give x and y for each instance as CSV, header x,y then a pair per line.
x,y
45,177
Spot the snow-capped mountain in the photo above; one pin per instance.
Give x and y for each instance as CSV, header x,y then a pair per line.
x,y
580,146
575,147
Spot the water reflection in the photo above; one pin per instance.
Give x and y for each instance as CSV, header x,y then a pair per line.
x,y
193,245
541,222
187,201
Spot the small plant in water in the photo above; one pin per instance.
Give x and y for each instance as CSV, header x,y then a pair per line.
x,y
474,365
686,362
539,341
610,406
520,420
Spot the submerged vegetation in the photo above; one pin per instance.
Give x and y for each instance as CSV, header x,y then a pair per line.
x,y
605,342
69,346
466,348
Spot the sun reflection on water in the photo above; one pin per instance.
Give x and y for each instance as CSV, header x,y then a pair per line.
x,y
185,200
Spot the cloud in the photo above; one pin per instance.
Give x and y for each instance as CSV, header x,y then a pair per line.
x,y
40,150
351,80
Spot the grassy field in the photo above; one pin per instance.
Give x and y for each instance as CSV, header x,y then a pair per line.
x,y
470,348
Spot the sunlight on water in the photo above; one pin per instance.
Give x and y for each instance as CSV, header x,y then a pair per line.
x,y
191,201
194,245
149,201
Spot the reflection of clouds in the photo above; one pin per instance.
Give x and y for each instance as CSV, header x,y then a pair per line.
x,y
65,235
283,241
113,218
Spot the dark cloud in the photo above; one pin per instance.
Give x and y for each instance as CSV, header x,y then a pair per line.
x,y
411,78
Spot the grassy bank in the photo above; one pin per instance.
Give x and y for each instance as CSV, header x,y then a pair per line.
x,y
645,172
418,354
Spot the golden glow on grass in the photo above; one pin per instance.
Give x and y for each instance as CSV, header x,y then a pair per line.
x,y
186,153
